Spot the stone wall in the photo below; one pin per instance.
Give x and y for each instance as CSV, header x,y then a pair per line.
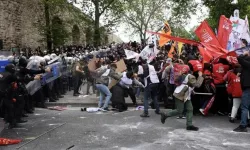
x,y
32,15
10,22
20,20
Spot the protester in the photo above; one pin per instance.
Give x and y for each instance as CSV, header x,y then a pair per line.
x,y
151,81
221,98
77,77
90,79
244,61
103,75
234,89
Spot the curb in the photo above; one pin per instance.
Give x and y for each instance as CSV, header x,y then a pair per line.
x,y
49,104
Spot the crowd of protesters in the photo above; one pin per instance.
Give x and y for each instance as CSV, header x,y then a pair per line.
x,y
182,82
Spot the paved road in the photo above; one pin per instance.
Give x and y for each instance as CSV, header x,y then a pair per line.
x,y
124,131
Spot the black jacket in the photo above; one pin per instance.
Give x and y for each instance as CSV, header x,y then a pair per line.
x,y
244,61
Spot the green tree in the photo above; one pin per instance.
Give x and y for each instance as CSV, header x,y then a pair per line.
x,y
52,27
225,7
109,11
181,32
143,15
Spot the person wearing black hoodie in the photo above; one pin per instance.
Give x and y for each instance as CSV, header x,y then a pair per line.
x,y
244,61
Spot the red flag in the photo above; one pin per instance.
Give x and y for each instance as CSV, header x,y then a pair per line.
x,y
4,141
206,56
225,28
209,105
231,57
214,50
206,34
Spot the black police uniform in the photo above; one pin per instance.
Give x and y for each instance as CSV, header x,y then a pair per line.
x,y
23,73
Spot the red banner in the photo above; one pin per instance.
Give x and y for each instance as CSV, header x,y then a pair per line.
x,y
225,28
4,141
231,57
206,56
215,51
206,34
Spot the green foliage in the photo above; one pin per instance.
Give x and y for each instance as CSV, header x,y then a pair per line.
x,y
59,32
181,32
109,11
225,7
143,15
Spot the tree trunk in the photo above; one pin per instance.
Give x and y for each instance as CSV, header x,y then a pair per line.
x,y
144,36
48,30
97,36
141,36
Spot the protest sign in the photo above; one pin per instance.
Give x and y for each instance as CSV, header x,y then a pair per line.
x,y
238,24
121,67
131,54
149,53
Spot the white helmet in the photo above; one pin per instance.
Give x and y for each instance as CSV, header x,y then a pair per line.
x,y
52,56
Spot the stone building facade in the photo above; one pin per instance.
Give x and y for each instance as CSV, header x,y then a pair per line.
x,y
20,21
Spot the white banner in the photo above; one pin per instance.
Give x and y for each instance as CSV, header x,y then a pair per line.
x,y
246,32
234,41
149,53
131,54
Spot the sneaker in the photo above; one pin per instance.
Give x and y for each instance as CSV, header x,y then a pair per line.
x,y
29,111
163,118
106,109
75,94
24,115
170,97
231,120
192,128
158,112
21,121
181,117
60,96
240,129
202,111
144,115
84,109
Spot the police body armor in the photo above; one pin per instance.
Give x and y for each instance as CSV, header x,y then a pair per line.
x,y
21,89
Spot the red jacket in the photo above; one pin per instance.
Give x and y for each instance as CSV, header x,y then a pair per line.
x,y
196,64
219,71
234,86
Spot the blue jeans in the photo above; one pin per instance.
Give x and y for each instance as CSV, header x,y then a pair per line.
x,y
137,91
151,90
104,91
245,105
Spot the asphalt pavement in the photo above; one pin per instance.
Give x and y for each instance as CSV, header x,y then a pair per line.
x,y
71,128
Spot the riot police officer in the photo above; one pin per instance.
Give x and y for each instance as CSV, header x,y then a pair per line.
x,y
26,75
